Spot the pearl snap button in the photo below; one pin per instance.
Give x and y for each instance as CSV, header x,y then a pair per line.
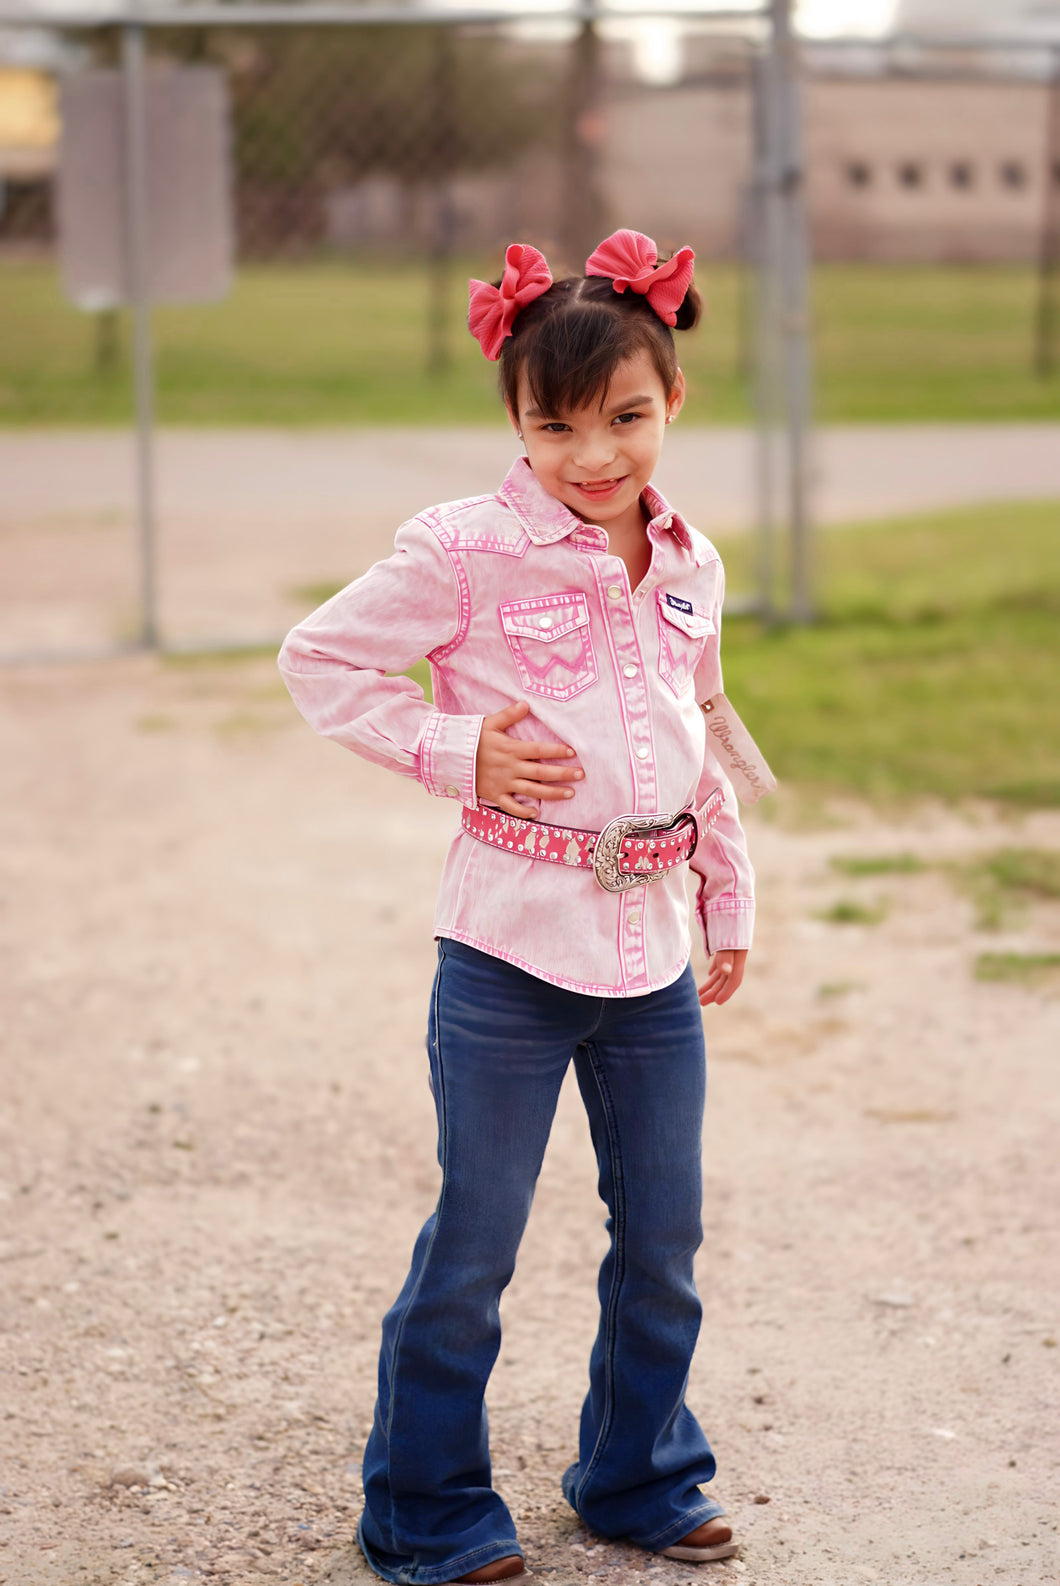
x,y
614,591
545,622
633,917
453,792
642,753
630,670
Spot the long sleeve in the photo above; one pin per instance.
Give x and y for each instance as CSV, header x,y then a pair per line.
x,y
725,894
336,665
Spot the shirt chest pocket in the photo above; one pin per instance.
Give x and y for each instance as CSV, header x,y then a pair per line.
x,y
551,644
683,633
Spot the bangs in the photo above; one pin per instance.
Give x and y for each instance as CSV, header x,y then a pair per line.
x,y
571,361
569,342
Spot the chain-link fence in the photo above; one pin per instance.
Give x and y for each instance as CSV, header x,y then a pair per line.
x,y
394,150
374,167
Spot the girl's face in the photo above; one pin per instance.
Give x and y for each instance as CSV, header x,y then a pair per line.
x,y
597,460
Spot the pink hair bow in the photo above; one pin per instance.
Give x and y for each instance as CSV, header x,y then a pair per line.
x,y
632,260
492,309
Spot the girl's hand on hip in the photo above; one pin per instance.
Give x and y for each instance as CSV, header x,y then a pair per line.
x,y
724,975
506,766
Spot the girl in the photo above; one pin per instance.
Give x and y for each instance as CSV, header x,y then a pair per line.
x,y
571,620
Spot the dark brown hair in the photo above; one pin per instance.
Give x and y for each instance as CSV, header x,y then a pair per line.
x,y
571,339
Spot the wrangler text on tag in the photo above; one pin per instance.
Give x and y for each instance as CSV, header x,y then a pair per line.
x,y
751,778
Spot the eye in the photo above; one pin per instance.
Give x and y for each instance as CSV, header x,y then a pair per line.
x,y
554,427
627,418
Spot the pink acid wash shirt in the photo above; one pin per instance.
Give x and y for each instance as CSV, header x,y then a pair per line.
x,y
510,596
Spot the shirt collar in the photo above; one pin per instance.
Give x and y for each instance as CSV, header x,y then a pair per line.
x,y
547,520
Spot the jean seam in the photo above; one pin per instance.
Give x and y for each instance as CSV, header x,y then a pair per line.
x,y
465,1559
440,1101
619,1237
709,1510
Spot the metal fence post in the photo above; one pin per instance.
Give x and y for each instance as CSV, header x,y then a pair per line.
x,y
583,218
1047,316
794,306
784,352
763,245
137,244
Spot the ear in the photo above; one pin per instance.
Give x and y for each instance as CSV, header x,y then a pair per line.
x,y
676,400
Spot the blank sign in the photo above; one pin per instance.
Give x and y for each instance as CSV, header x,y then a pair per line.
x,y
190,230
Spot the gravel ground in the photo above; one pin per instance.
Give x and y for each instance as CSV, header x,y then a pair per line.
x,y
216,1146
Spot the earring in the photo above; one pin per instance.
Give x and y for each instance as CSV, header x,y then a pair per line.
x,y
519,433
669,418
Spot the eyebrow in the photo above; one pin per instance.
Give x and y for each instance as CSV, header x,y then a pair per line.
x,y
620,407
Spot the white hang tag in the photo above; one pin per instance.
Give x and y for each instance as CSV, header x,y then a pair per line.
x,y
736,751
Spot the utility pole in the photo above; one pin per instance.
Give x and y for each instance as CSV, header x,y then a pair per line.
x,y
584,209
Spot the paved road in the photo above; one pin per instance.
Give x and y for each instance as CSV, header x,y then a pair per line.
x,y
252,521
386,474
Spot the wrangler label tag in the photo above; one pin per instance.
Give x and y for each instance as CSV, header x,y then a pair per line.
x,y
737,752
679,605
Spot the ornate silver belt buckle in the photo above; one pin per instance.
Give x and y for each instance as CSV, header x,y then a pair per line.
x,y
607,850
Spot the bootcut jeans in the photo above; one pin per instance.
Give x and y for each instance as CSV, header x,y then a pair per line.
x,y
499,1042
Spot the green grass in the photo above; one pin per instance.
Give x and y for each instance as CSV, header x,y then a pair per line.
x,y
932,670
847,911
344,342
877,864
1028,969
839,988
1001,883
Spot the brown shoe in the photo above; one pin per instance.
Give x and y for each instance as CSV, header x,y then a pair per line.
x,y
712,1540
510,1570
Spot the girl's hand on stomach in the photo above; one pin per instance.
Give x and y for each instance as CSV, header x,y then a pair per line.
x,y
506,766
724,975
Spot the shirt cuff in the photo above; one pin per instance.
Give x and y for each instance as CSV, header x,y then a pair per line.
x,y
728,923
448,751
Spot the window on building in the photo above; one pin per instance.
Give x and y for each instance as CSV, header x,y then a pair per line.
x,y
911,174
961,174
1013,173
859,174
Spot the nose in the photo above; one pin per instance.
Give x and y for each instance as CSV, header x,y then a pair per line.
x,y
594,452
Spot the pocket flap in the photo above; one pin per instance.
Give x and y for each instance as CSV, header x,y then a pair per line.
x,y
546,617
690,621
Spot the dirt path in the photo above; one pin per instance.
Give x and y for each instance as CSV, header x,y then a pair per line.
x,y
216,1147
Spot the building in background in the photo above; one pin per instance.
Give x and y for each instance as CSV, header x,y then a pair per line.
x,y
910,158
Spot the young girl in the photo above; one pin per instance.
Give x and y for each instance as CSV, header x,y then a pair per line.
x,y
571,620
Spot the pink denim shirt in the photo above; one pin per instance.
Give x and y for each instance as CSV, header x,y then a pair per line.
x,y
510,596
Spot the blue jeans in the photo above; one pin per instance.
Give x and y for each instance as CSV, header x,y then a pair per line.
x,y
499,1043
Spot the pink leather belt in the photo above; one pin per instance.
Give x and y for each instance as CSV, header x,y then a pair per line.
x,y
631,849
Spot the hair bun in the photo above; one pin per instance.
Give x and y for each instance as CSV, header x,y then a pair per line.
x,y
690,309
631,261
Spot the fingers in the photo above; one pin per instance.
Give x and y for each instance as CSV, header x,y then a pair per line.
x,y
714,988
510,806
546,751
724,975
507,768
541,790
501,720
548,773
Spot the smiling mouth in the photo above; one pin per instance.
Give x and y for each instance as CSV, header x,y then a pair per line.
x,y
598,487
